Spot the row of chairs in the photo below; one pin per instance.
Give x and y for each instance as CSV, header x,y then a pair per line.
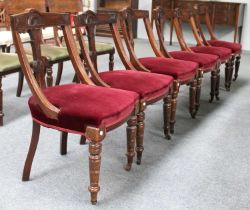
x,y
103,101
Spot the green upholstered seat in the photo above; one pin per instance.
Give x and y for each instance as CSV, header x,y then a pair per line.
x,y
10,61
51,52
100,46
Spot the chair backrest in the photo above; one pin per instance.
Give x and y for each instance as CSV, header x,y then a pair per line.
x,y
126,17
32,22
160,16
91,20
202,11
69,6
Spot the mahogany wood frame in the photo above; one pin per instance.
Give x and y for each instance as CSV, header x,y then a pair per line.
x,y
160,16
74,7
200,11
91,20
126,17
33,21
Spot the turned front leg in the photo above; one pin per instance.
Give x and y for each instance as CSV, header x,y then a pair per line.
x,y
192,97
217,88
213,85
49,76
174,105
237,67
198,90
167,115
95,135
131,139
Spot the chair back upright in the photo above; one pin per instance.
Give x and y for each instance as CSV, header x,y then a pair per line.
x,y
128,14
91,20
201,11
160,16
32,22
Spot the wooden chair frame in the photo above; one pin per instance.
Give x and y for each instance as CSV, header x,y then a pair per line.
x,y
74,7
160,16
90,20
33,21
200,11
179,15
128,14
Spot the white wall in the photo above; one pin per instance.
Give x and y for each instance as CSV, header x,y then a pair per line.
x,y
223,32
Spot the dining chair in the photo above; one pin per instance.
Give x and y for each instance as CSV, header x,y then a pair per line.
x,y
201,11
51,53
95,48
225,54
207,62
184,72
9,64
149,86
83,109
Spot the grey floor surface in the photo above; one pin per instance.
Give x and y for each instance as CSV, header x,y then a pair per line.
x,y
205,166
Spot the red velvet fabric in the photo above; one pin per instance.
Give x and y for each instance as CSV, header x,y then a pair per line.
x,y
205,61
149,86
181,70
235,47
223,53
82,105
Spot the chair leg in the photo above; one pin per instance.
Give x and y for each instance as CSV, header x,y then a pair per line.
x,y
167,115
213,85
75,79
83,140
63,143
95,147
59,73
111,61
217,88
192,98
231,70
140,135
198,91
49,76
174,105
32,151
20,84
1,103
131,139
237,67
227,75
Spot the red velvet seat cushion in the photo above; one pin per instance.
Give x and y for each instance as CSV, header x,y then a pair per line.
x,y
82,105
223,53
182,70
235,47
148,85
205,61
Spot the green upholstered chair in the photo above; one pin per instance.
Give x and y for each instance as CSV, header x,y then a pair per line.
x,y
9,63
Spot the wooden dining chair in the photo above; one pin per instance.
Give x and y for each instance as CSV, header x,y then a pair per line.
x,y
52,54
83,109
9,64
207,62
201,11
184,72
150,87
95,48
225,54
